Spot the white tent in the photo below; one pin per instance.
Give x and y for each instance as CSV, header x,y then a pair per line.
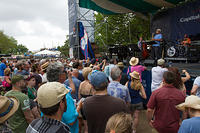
x,y
47,53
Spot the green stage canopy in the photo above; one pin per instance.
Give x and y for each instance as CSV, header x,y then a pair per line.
x,y
126,6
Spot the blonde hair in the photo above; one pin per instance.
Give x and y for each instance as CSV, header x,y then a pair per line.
x,y
120,123
135,84
7,71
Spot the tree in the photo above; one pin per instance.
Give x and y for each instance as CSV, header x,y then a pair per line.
x,y
8,45
65,48
120,29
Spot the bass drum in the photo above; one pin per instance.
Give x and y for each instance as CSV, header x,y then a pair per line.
x,y
172,51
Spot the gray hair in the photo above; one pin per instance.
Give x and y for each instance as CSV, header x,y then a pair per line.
x,y
115,73
53,71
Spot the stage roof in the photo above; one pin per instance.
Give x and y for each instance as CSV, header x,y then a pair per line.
x,y
110,7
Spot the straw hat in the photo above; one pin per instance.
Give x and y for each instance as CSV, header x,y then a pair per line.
x,y
134,61
44,66
8,106
120,64
190,102
135,75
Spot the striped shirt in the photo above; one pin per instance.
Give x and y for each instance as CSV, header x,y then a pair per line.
x,y
47,125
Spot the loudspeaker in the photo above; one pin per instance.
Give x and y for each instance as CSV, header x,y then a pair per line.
x,y
149,62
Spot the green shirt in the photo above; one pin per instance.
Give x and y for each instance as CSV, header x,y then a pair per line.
x,y
18,122
32,93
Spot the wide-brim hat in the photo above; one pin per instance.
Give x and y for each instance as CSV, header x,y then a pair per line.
x,y
135,75
8,106
44,66
190,102
133,61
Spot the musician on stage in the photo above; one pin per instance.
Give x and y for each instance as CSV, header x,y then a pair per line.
x,y
186,41
156,49
140,42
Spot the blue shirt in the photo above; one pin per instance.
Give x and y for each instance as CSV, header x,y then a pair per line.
x,y
2,68
118,90
157,36
77,83
190,125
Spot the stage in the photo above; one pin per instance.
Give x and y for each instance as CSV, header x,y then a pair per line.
x,y
192,68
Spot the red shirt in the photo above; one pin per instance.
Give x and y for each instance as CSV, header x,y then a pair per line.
x,y
164,100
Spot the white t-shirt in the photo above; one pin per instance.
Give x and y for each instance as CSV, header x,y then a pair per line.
x,y
157,77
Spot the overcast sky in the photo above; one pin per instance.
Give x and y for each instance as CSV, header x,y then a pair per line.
x,y
35,23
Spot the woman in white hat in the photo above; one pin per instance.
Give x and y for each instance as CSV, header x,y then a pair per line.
x,y
134,62
137,92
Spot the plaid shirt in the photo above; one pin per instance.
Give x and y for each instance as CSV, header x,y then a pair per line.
x,y
47,125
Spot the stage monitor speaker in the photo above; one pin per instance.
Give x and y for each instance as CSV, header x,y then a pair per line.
x,y
149,62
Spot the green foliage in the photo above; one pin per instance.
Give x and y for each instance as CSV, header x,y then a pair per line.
x,y
8,45
120,29
65,48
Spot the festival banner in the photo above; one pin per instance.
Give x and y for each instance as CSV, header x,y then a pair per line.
x,y
85,46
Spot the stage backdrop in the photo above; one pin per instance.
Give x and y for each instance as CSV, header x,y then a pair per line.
x,y
174,23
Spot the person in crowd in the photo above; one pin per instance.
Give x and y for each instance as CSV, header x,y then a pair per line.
x,y
120,123
115,88
136,67
43,73
179,83
124,78
157,74
19,65
192,107
53,108
156,49
196,87
101,103
108,69
162,113
2,66
79,65
76,82
8,106
30,87
137,92
56,73
85,88
7,80
23,116
26,68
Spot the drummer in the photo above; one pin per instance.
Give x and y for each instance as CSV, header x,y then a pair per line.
x,y
186,41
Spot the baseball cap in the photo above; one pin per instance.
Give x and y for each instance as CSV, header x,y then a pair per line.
x,y
16,78
161,62
96,78
50,94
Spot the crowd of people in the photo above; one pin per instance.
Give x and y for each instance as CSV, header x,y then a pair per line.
x,y
94,96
